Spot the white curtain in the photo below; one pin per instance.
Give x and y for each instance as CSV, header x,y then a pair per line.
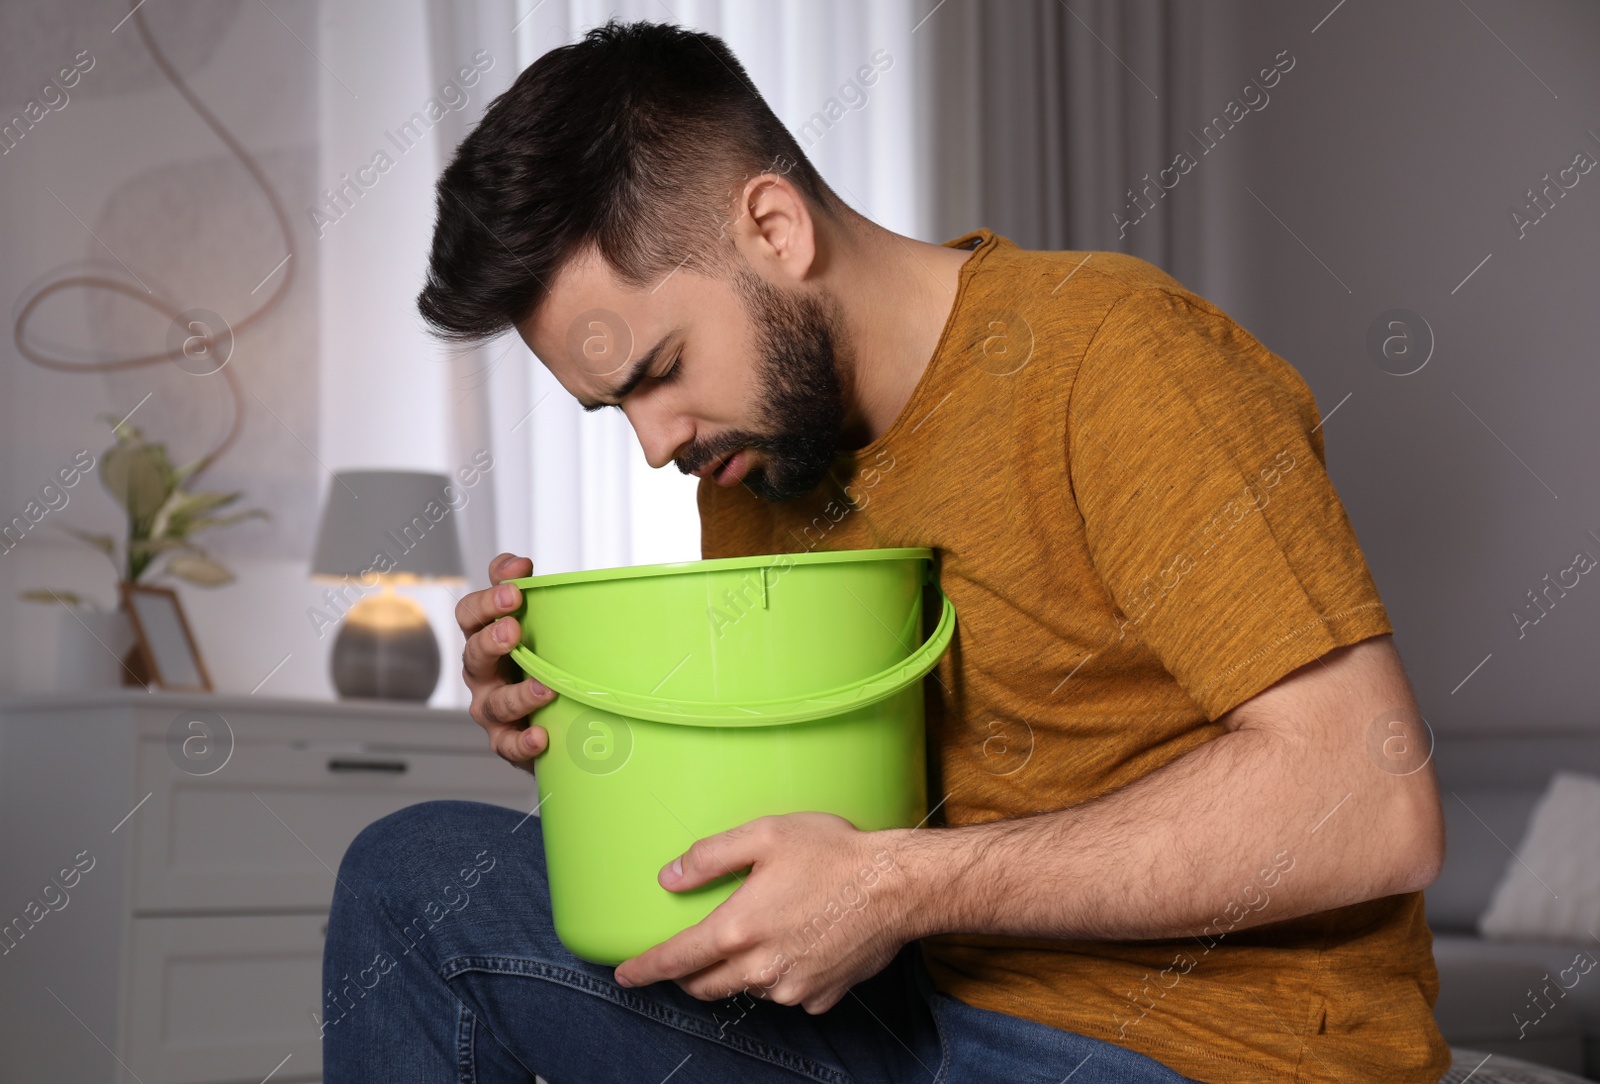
x,y
568,488
571,490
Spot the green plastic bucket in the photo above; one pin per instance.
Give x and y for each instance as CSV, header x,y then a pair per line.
x,y
695,696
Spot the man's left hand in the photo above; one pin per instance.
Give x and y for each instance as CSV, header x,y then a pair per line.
x,y
823,907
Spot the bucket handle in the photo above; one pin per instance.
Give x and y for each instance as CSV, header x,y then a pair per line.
x,y
857,694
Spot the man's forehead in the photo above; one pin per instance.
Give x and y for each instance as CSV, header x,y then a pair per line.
x,y
586,287
587,282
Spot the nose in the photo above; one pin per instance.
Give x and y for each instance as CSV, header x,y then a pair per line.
x,y
662,432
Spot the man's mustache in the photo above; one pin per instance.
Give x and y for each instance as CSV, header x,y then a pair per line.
x,y
725,445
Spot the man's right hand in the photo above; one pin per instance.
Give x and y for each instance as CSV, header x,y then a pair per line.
x,y
502,696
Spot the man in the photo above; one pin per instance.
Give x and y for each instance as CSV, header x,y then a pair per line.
x,y
1185,811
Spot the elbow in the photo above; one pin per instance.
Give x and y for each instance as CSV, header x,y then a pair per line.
x,y
1422,868
1418,862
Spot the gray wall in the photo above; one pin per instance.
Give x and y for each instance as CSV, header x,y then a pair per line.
x,y
1393,152
1398,160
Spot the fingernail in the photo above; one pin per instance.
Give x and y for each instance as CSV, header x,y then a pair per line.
x,y
502,632
505,595
538,690
675,871
622,981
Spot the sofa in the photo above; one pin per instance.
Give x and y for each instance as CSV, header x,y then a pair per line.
x,y
1479,1067
1520,999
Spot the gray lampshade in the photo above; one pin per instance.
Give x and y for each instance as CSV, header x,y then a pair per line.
x,y
390,521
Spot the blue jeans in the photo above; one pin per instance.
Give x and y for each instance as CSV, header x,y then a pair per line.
x,y
441,965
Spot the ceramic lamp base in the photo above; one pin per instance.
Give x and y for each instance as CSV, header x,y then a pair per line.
x,y
385,650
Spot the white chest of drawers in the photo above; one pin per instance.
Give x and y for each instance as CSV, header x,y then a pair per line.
x,y
166,866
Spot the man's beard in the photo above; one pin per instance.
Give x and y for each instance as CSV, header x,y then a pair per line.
x,y
801,407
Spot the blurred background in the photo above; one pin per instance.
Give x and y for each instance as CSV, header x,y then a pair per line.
x,y
1398,199
1396,163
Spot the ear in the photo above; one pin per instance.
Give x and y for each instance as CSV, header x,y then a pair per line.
x,y
774,230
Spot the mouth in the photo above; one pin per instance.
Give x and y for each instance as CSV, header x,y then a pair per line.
x,y
732,469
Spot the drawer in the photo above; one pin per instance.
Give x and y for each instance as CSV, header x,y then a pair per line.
x,y
224,999
268,829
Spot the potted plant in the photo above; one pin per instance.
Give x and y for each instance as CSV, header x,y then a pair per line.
x,y
163,518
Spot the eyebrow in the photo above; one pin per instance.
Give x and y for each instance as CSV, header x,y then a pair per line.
x,y
635,377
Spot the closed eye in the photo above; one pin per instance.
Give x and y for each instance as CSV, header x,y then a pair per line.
x,y
671,374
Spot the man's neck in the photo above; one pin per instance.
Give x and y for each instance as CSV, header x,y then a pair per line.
x,y
896,294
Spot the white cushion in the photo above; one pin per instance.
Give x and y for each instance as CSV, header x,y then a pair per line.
x,y
1551,886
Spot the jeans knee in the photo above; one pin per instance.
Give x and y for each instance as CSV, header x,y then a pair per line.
x,y
450,878
432,836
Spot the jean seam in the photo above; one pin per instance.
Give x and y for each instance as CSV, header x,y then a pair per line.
x,y
943,1074
664,1014
464,1048
466,1060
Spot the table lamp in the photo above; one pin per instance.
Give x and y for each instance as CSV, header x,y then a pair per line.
x,y
382,528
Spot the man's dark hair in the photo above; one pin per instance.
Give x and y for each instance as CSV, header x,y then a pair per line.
x,y
636,140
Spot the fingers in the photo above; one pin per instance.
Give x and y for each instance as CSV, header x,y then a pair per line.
x,y
508,566
499,702
478,608
682,954
724,980
709,963
501,710
499,697
716,856
488,645
519,747
507,705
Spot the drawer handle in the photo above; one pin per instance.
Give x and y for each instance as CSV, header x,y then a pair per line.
x,y
385,767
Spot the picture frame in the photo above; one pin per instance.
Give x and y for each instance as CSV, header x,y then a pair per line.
x,y
161,632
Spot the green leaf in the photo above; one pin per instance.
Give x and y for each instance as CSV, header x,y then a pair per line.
x,y
125,433
199,569
181,509
151,547
102,542
182,472
71,598
162,516
205,522
195,503
137,476
159,525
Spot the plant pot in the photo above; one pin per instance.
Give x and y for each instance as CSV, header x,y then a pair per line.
x,y
91,648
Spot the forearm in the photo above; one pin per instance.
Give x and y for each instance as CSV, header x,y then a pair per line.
x,y
1255,826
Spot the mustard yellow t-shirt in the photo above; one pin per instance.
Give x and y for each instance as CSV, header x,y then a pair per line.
x,y
1126,496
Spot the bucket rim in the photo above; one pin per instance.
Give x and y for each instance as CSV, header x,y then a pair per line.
x,y
798,709
722,564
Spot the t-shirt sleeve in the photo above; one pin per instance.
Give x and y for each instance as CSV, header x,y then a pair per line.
x,y
1197,464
